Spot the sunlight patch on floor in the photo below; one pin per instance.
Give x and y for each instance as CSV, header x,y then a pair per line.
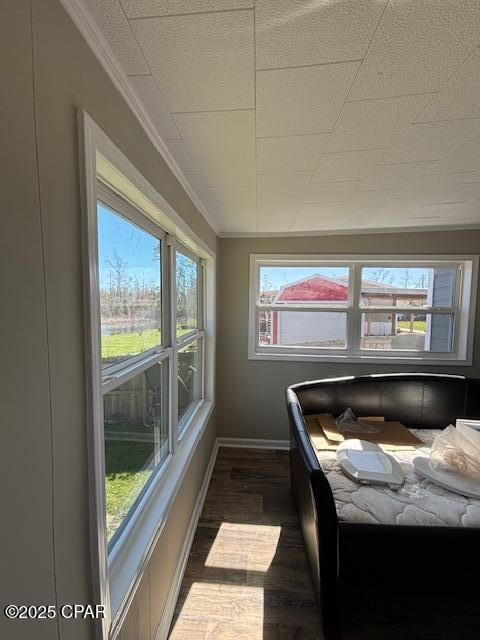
x,y
225,611
248,547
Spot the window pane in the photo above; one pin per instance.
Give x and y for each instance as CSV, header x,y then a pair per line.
x,y
187,292
130,287
407,331
322,329
189,377
136,440
297,285
408,286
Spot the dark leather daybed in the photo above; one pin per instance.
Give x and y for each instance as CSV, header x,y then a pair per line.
x,y
382,560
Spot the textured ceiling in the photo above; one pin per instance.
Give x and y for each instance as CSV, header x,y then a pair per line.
x,y
313,115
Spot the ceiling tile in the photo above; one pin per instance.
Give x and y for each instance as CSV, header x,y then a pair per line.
x,y
287,31
417,47
155,106
460,97
346,165
466,157
393,176
371,199
219,134
114,25
202,61
312,209
302,100
376,170
235,200
272,185
274,223
149,8
237,219
203,193
335,219
449,193
329,191
439,180
369,124
237,172
290,153
279,205
431,141
182,157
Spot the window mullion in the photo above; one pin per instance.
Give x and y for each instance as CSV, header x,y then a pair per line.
x,y
173,338
201,294
354,315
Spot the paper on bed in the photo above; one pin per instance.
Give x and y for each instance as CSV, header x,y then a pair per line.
x,y
317,435
392,435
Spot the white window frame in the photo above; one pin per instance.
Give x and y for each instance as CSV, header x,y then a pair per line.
x,y
463,309
196,335
116,575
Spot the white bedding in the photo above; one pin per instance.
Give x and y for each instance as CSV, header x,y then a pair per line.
x,y
418,502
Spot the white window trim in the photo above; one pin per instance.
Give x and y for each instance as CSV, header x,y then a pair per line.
x,y
116,576
196,335
465,314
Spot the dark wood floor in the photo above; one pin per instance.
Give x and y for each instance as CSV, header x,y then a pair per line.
x,y
247,576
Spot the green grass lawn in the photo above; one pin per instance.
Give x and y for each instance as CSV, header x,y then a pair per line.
x,y
418,325
127,469
125,344
128,464
119,345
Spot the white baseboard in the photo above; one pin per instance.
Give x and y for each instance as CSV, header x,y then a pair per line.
x,y
253,443
167,617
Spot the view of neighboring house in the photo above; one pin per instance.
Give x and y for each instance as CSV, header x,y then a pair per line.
x,y
328,329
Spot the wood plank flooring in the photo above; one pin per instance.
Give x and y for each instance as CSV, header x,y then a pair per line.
x,y
247,576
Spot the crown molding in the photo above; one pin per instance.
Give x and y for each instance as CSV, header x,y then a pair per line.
x,y
85,23
346,232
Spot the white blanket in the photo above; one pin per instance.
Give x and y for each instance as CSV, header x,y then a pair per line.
x,y
418,502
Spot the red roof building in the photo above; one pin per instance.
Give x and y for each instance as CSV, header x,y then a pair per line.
x,y
314,288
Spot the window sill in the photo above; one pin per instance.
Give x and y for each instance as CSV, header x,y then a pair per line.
x,y
133,549
361,359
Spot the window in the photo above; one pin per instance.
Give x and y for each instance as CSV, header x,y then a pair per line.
x,y
187,272
134,263
136,441
359,309
134,355
189,333
130,287
150,355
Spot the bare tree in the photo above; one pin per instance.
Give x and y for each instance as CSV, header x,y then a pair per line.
x,y
267,289
406,279
380,275
186,275
126,302
422,282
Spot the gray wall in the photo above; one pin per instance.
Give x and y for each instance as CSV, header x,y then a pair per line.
x,y
250,393
48,72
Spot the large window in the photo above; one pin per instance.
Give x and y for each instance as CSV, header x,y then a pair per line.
x,y
135,356
144,341
353,308
150,357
